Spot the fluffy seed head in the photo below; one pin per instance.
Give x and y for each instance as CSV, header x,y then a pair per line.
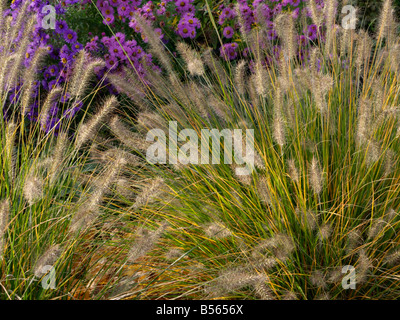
x,y
89,129
149,193
145,241
192,58
49,257
33,189
293,171
217,230
317,279
4,220
315,176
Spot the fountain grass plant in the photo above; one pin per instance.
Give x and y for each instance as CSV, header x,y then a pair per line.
x,y
325,190
56,239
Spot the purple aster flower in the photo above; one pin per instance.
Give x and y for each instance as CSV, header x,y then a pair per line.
x,y
182,5
107,11
228,51
123,10
70,112
114,3
185,30
52,70
76,47
61,26
65,97
294,3
271,34
228,32
111,61
108,19
120,37
70,36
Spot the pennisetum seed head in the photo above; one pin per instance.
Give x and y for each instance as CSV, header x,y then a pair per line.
x,y
156,46
293,171
317,279
150,120
48,258
377,226
4,220
30,78
87,130
82,75
325,232
11,131
145,242
149,193
385,19
240,76
48,103
279,133
363,267
79,68
289,295
33,189
286,30
263,291
315,176
393,258
354,240
316,16
131,139
58,155
217,230
192,58
264,191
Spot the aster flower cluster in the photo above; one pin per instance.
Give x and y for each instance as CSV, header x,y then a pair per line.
x,y
127,48
59,60
242,16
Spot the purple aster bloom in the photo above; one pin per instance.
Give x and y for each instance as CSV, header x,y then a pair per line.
x,y
65,97
228,32
116,51
114,3
119,36
53,84
123,10
52,70
61,26
76,47
182,5
191,20
107,11
70,36
185,29
111,61
108,19
296,13
302,41
49,48
271,34
158,32
228,51
294,3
